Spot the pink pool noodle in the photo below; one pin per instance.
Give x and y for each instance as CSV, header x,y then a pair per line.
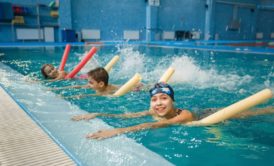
x,y
64,58
82,63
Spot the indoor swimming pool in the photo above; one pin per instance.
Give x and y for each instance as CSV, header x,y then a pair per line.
x,y
202,79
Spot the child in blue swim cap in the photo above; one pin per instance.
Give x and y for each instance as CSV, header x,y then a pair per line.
x,y
162,88
162,109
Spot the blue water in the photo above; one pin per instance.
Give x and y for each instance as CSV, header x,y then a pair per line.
x,y
203,79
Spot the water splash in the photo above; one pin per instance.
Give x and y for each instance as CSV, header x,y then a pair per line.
x,y
131,62
91,64
188,71
268,82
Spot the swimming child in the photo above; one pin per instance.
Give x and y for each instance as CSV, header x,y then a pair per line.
x,y
98,81
50,72
161,108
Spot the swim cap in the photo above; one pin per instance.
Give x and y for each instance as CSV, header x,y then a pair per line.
x,y
162,87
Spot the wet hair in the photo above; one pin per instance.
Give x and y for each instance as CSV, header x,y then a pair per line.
x,y
162,87
43,70
99,74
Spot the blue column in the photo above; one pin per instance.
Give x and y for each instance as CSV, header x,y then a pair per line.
x,y
151,22
208,20
254,21
64,16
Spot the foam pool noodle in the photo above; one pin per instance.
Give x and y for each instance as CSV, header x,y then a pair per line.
x,y
167,75
110,64
128,85
82,63
64,58
234,109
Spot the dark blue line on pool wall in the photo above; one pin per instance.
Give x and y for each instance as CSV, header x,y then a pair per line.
x,y
39,44
221,45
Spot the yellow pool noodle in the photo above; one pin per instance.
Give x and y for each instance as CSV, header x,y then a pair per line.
x,y
166,76
128,85
108,67
234,109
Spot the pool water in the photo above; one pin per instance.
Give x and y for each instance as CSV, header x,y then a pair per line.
x,y
203,79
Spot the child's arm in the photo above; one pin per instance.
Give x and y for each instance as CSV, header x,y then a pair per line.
x,y
71,87
102,134
255,112
37,80
79,96
94,115
184,117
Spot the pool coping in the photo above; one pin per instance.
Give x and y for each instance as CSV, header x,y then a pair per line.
x,y
40,126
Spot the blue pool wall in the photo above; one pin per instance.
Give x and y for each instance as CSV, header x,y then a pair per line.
x,y
210,17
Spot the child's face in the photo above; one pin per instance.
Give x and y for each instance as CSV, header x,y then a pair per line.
x,y
51,71
161,104
94,84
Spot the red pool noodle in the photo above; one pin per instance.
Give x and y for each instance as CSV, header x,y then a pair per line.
x,y
82,63
64,58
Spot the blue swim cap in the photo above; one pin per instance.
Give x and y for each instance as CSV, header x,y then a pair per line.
x,y
162,87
